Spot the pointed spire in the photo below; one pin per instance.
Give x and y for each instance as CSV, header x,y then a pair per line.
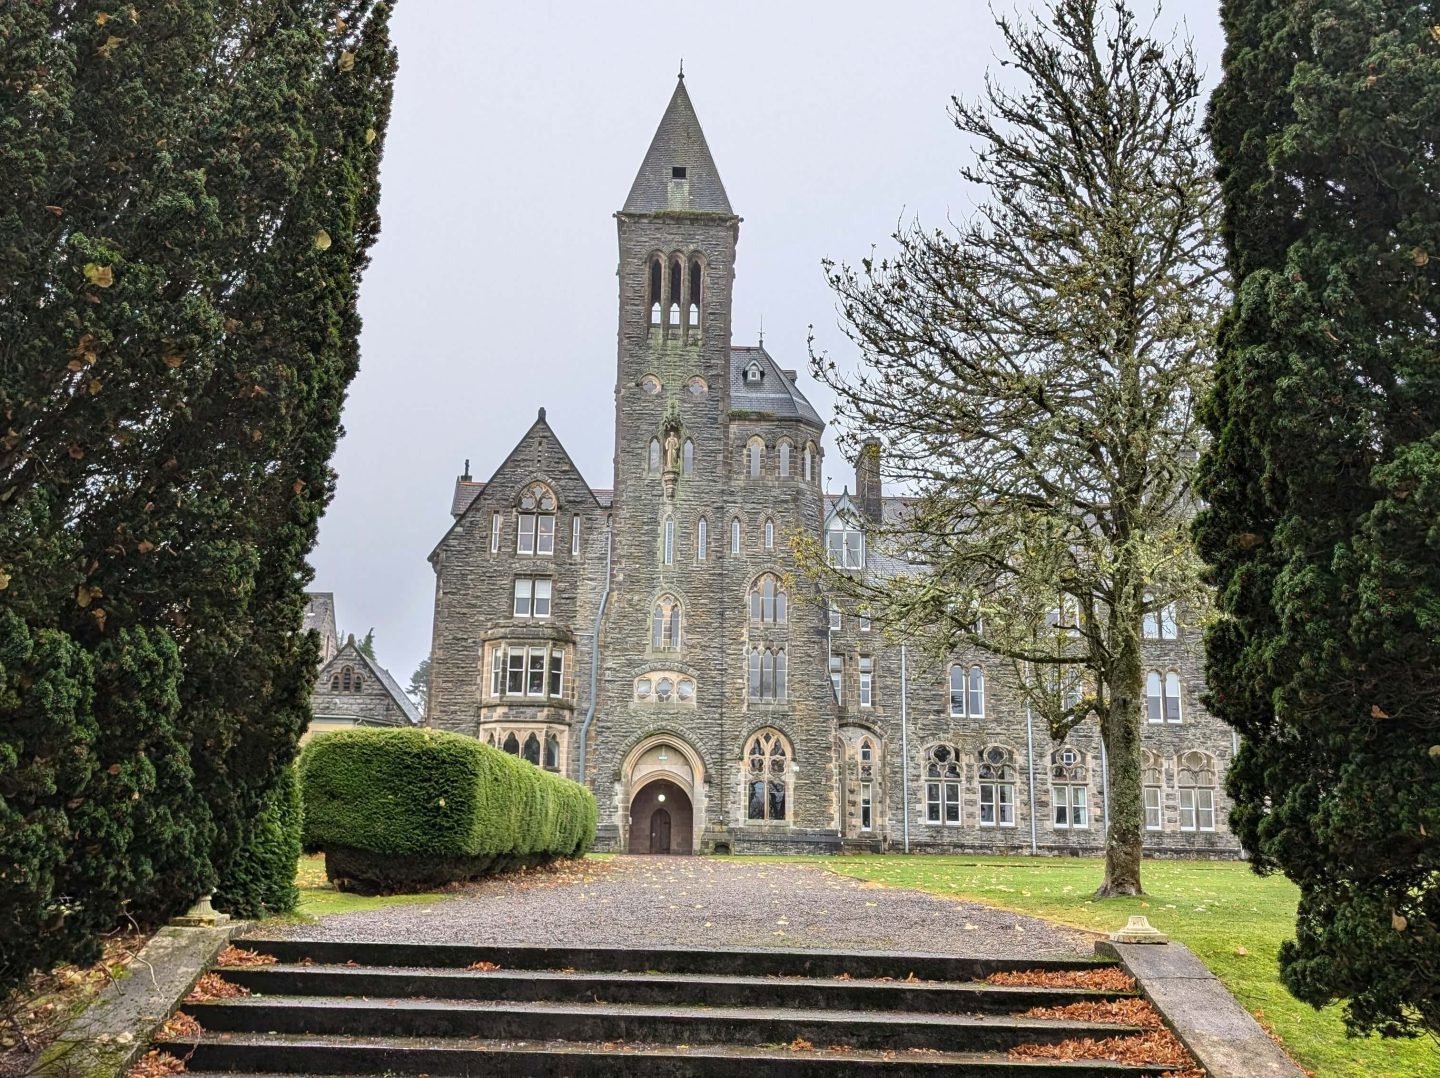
x,y
678,172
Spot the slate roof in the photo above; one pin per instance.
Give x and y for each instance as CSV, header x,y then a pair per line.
x,y
777,394
892,511
678,141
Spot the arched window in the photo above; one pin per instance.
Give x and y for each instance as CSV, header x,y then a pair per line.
x,y
667,542
695,291
490,739
359,683
735,536
655,300
512,745
653,461
967,691
702,539
1162,697
535,521
867,751
346,675
769,535
675,292
1152,781
1069,790
665,624
808,462
1160,623
687,458
997,787
552,752
755,457
1195,784
335,683
768,601
867,785
943,776
532,750
784,458
767,776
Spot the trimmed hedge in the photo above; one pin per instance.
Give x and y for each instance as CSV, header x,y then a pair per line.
x,y
398,810
261,879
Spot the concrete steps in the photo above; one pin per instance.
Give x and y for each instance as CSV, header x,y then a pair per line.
x,y
329,1008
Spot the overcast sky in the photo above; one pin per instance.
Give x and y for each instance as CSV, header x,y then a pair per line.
x,y
516,133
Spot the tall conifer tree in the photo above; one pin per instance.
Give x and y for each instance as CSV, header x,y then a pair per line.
x,y
187,197
1323,486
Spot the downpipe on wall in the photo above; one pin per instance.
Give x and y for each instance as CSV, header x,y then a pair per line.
x,y
595,654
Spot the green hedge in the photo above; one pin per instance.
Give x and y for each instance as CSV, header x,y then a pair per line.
x,y
261,878
399,810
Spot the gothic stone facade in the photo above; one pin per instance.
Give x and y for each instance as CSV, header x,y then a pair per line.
x,y
655,641
350,689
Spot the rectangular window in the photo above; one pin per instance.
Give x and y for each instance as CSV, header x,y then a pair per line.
x,y
557,672
1071,807
532,597
836,618
575,535
525,534
951,794
494,533
867,674
1172,697
1152,808
1187,808
1169,623
865,806
932,802
864,623
497,671
545,533
515,672
734,537
837,677
1205,808
669,541
942,803
997,804
535,683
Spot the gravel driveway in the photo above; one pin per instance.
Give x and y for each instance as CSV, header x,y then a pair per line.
x,y
704,902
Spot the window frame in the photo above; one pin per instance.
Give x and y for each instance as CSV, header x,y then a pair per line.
x,y
531,587
1074,798
867,680
1158,808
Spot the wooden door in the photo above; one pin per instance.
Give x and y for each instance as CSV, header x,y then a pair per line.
x,y
660,831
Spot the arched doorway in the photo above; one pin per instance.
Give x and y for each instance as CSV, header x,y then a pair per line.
x,y
661,819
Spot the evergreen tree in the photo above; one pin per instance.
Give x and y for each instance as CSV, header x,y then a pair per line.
x,y
187,200
419,689
1033,376
1323,487
366,646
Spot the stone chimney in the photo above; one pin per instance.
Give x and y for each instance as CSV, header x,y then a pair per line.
x,y
867,479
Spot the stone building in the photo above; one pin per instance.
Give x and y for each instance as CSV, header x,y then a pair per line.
x,y
351,689
653,640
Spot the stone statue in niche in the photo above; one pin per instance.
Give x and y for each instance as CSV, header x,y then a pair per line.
x,y
672,452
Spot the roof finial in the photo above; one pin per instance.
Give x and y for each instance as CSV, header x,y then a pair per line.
x,y
682,69
466,476
762,329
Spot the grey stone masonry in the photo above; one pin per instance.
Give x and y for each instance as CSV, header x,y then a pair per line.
x,y
713,725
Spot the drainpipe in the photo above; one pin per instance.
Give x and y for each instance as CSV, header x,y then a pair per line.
x,y
1030,754
904,748
595,652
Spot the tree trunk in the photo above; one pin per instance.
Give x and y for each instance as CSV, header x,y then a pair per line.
x,y
1120,731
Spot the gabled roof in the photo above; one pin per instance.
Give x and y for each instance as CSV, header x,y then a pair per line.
x,y
352,653
678,144
893,508
776,394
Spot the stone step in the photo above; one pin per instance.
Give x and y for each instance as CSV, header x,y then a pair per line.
x,y
750,1026
751,962
530,986
272,1055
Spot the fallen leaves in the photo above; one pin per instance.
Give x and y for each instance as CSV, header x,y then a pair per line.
x,y
179,1026
483,967
212,986
800,1044
1154,1048
233,956
98,275
1104,979
1120,1012
156,1064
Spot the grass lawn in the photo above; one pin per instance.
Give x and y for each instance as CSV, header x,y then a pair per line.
x,y
1234,920
319,898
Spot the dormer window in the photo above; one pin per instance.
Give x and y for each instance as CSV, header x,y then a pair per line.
x,y
677,172
753,374
844,544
